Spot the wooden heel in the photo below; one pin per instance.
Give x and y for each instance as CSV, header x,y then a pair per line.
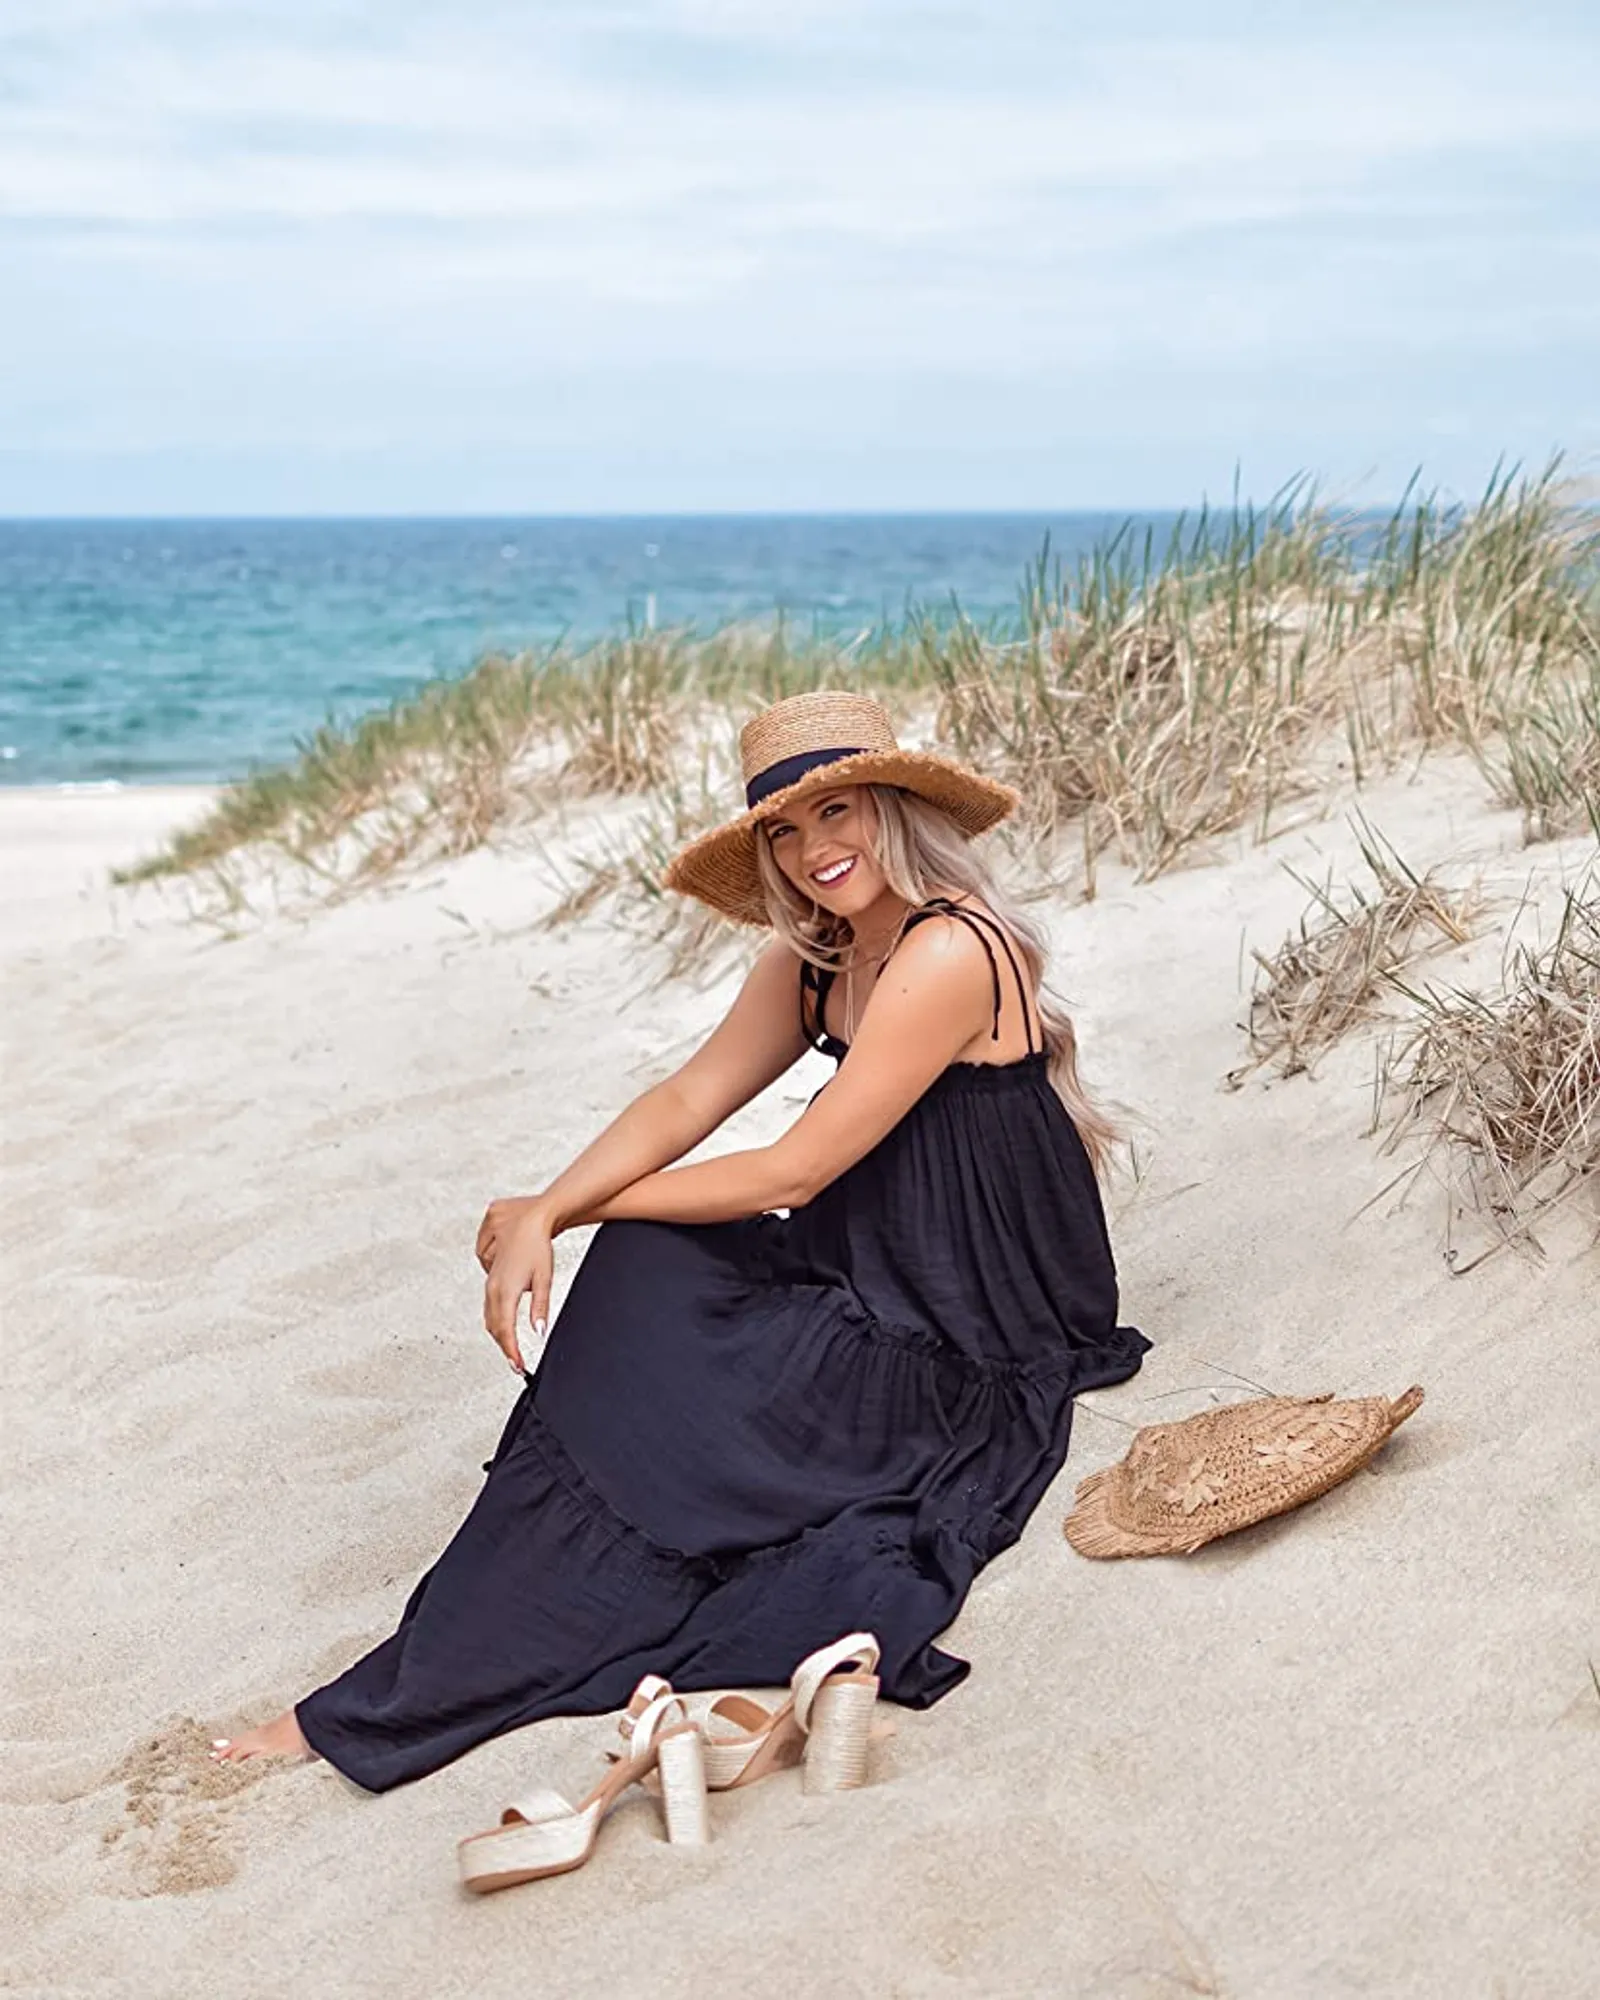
x,y
682,1765
841,1724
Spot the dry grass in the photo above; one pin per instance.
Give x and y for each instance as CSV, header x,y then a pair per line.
x,y
429,776
1335,972
440,773
1547,759
1504,1091
1157,698
1161,697
626,867
1151,700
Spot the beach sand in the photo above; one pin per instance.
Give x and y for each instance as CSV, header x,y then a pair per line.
x,y
247,1395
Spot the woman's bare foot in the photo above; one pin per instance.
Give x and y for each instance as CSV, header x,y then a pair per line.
x,y
279,1738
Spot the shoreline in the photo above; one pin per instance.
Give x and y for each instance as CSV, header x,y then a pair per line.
x,y
110,787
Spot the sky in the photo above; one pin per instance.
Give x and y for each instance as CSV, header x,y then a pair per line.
x,y
843,255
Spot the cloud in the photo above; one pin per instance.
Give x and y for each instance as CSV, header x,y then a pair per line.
x,y
327,215
520,116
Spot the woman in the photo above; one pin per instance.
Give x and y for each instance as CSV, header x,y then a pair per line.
x,y
750,1433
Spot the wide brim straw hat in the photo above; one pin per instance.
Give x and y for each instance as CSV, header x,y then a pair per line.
x,y
814,743
1182,1485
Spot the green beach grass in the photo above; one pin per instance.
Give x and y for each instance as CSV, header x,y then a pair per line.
x,y
1145,701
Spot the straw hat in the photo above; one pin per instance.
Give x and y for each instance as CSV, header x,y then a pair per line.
x,y
814,743
1182,1485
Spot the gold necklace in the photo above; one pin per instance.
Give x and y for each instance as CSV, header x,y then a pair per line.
x,y
850,979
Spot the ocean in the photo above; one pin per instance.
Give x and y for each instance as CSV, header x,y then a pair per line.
x,y
136,652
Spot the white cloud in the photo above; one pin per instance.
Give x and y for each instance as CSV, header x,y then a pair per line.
x,y
322,218
451,121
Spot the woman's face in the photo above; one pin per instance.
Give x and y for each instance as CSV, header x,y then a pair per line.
x,y
824,845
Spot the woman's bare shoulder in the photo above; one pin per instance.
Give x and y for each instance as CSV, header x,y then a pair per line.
x,y
955,930
939,948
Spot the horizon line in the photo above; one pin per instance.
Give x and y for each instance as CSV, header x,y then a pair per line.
x,y
1237,502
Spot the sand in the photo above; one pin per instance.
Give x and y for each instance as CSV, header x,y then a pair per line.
x,y
247,1395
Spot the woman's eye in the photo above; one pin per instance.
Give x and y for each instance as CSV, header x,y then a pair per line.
x,y
777,833
832,811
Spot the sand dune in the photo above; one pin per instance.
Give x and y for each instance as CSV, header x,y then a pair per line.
x,y
247,1394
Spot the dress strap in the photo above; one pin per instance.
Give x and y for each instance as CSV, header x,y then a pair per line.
x,y
815,984
981,924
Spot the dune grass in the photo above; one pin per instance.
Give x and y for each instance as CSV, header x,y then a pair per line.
x,y
1335,971
441,771
1145,701
1503,1090
1165,696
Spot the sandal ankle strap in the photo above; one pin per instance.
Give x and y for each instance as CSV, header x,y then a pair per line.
x,y
664,1711
651,1689
857,1649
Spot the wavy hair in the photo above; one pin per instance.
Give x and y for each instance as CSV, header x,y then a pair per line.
x,y
923,854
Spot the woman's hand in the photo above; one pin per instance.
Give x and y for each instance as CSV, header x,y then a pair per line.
x,y
497,1219
521,1258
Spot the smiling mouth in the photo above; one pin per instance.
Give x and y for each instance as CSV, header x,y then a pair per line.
x,y
827,878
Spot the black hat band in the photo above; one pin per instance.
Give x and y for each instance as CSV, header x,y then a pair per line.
x,y
790,770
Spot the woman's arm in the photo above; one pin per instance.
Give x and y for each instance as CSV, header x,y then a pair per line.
x,y
757,1041
932,998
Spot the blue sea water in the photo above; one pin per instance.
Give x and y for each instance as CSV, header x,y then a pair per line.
x,y
138,651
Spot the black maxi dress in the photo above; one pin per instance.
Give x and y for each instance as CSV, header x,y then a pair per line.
x,y
745,1439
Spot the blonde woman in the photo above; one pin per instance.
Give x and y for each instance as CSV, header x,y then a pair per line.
x,y
750,1430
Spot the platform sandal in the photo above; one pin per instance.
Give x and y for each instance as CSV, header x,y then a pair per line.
x,y
544,1834
826,1722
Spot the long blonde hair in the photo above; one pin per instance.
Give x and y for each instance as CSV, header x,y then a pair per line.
x,y
923,854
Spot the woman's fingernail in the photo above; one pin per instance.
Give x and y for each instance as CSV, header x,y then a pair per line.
x,y
538,1327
